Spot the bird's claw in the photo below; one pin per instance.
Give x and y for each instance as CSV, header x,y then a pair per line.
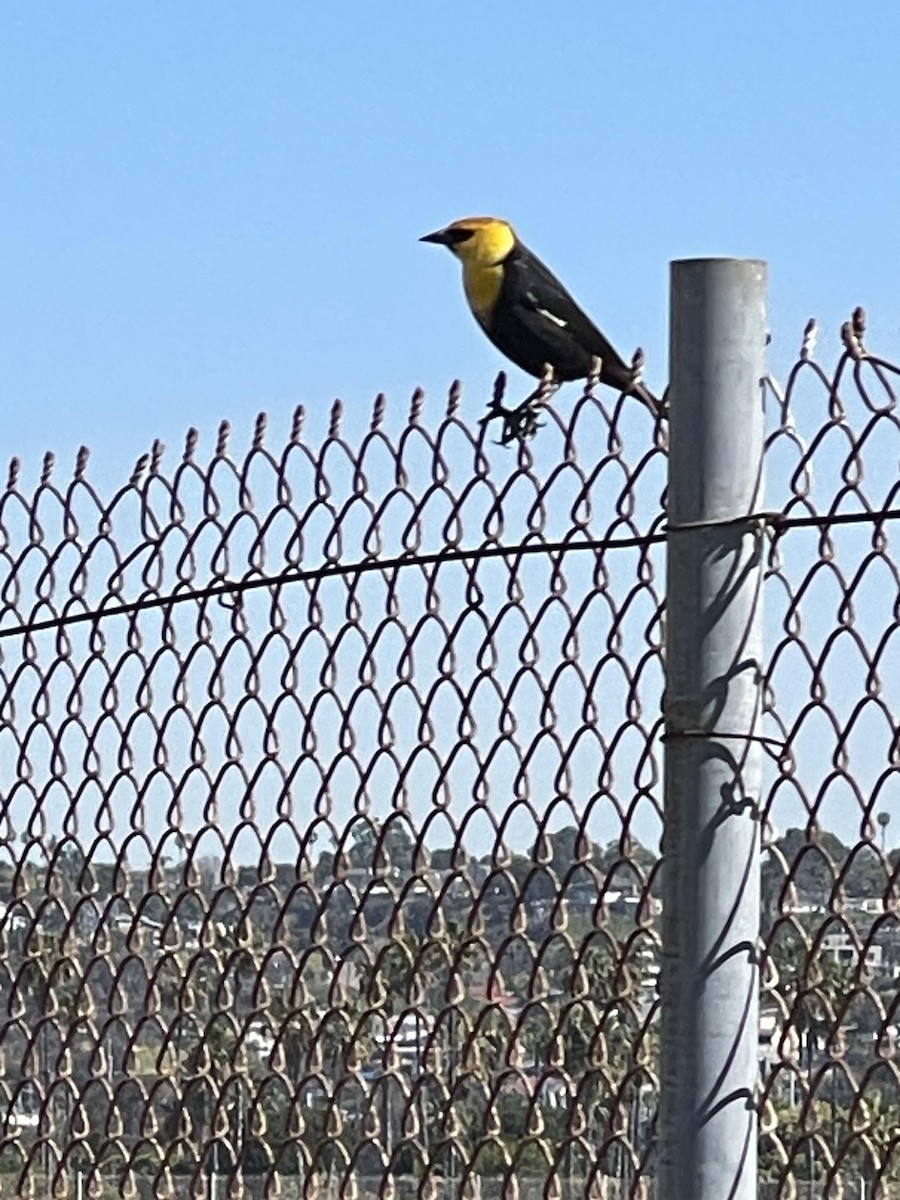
x,y
517,424
521,422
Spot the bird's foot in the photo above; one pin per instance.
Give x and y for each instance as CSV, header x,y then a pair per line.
x,y
521,422
517,424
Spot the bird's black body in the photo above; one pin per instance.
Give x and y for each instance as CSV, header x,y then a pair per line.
x,y
535,322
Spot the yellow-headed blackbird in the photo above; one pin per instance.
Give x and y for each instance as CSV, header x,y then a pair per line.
x,y
526,311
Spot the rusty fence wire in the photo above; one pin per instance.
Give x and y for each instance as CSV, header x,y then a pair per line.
x,y
330,807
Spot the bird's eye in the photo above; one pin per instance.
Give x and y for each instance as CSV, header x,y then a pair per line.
x,y
456,236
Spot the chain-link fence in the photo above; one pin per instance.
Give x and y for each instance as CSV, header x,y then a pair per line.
x,y
331,806
831,1103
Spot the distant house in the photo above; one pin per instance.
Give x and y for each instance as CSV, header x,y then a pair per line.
x,y
841,948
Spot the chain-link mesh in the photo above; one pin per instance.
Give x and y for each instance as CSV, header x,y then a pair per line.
x,y
831,1111
330,795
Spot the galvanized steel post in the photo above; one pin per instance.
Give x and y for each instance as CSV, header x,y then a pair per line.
x,y
710,923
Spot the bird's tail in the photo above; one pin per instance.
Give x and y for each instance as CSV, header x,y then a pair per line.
x,y
613,372
646,397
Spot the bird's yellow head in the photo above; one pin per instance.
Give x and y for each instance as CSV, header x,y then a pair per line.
x,y
476,241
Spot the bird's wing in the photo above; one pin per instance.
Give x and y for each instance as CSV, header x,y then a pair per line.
x,y
545,307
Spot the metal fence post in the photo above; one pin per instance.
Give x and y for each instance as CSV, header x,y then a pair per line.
x,y
710,922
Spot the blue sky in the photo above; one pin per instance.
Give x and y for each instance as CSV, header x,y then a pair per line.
x,y
211,209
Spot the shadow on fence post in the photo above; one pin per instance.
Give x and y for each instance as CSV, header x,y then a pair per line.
x,y
710,928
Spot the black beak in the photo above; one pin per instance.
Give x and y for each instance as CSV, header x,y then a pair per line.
x,y
448,237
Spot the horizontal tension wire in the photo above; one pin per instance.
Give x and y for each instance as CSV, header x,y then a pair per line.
x,y
778,522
